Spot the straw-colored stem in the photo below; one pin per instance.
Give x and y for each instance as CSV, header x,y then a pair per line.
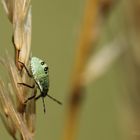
x,y
21,115
87,36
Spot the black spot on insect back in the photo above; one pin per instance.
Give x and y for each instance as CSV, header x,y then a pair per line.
x,y
42,63
46,69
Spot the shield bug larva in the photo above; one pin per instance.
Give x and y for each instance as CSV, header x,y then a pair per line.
x,y
40,74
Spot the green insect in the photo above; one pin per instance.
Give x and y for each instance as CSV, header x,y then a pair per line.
x,y
40,74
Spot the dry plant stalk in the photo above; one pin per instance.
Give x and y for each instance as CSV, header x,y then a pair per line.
x,y
82,53
17,116
89,35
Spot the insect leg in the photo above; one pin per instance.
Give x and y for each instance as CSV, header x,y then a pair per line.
x,y
30,75
38,97
24,84
30,98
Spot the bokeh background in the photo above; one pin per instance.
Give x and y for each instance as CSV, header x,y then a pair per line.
x,y
110,109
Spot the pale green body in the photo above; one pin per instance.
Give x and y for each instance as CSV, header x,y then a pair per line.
x,y
40,74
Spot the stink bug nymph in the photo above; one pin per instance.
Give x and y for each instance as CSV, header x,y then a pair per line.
x,y
40,74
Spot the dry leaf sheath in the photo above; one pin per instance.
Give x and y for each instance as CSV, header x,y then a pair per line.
x,y
16,115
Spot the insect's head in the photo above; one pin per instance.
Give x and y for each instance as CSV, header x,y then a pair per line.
x,y
52,98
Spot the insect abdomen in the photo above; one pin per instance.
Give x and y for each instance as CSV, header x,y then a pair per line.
x,y
44,83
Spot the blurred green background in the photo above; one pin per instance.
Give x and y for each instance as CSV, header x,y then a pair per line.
x,y
56,26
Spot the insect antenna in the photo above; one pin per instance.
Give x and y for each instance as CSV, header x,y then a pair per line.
x,y
54,99
44,105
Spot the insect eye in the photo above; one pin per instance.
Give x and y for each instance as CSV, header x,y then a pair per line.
x,y
42,63
46,68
